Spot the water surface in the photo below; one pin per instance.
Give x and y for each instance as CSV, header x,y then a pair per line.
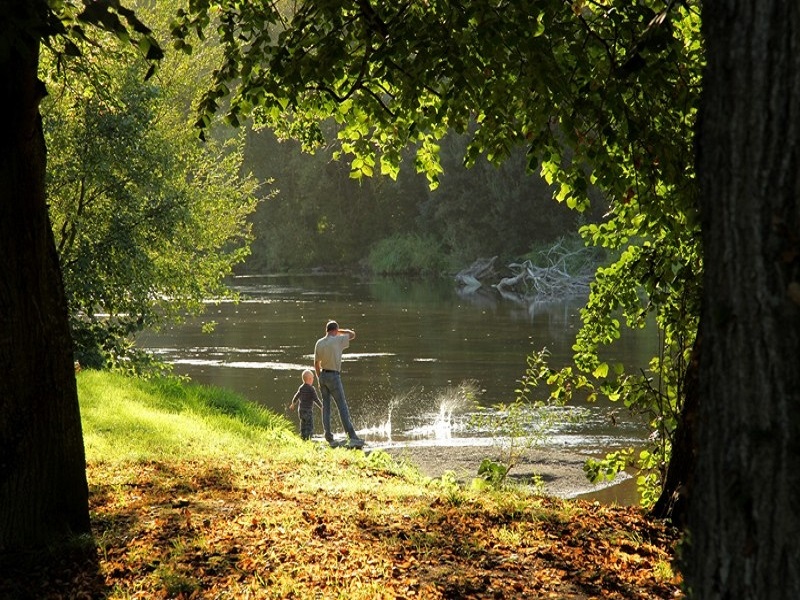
x,y
419,346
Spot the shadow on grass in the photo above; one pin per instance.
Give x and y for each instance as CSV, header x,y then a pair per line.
x,y
53,573
460,553
149,496
189,530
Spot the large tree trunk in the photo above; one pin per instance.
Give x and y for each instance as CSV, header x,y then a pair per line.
x,y
745,507
43,490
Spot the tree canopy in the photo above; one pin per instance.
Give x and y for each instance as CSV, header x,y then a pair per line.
x,y
148,220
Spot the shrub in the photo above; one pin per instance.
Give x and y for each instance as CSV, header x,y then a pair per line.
x,y
407,254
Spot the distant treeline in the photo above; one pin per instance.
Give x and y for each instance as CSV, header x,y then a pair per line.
x,y
322,218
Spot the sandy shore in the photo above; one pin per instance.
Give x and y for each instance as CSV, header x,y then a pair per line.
x,y
561,471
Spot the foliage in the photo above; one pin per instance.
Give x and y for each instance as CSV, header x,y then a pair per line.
x,y
408,254
321,217
604,96
492,210
516,427
147,220
642,158
493,473
62,25
451,488
658,406
608,468
486,210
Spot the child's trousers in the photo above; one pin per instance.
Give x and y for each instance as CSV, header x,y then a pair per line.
x,y
306,424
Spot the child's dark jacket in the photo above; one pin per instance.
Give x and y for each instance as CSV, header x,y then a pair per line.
x,y
306,397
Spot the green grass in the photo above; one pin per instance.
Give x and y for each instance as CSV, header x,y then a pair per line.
x,y
128,419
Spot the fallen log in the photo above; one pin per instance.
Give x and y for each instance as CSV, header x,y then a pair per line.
x,y
472,276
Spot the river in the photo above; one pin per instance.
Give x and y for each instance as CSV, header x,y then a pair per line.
x,y
424,357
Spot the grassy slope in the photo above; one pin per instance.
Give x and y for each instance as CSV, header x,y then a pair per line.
x,y
196,493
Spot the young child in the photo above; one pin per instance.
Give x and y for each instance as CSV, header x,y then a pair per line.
x,y
305,400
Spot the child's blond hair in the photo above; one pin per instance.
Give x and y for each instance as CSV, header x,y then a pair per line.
x,y
308,374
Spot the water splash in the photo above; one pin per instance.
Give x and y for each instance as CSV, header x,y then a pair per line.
x,y
382,425
448,417
454,404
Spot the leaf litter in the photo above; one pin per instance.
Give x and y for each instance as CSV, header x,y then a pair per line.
x,y
255,530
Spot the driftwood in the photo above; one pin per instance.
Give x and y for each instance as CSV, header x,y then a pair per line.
x,y
534,283
544,283
525,271
472,276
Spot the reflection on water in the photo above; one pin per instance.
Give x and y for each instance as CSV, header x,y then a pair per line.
x,y
419,346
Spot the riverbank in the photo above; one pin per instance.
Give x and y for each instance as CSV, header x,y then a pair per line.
x,y
196,494
551,471
335,524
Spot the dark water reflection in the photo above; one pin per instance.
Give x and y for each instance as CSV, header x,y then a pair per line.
x,y
417,344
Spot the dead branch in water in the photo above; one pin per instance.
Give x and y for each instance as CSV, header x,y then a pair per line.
x,y
565,274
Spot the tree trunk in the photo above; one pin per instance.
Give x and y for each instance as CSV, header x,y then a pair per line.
x,y
43,489
745,507
673,502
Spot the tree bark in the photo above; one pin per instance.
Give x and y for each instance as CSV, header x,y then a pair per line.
x,y
745,507
673,502
43,489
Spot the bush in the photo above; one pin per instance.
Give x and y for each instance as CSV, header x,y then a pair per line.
x,y
407,254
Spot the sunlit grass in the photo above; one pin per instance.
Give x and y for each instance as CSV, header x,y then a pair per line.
x,y
127,419
508,535
664,572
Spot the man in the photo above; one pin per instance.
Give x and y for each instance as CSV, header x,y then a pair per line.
x,y
328,364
